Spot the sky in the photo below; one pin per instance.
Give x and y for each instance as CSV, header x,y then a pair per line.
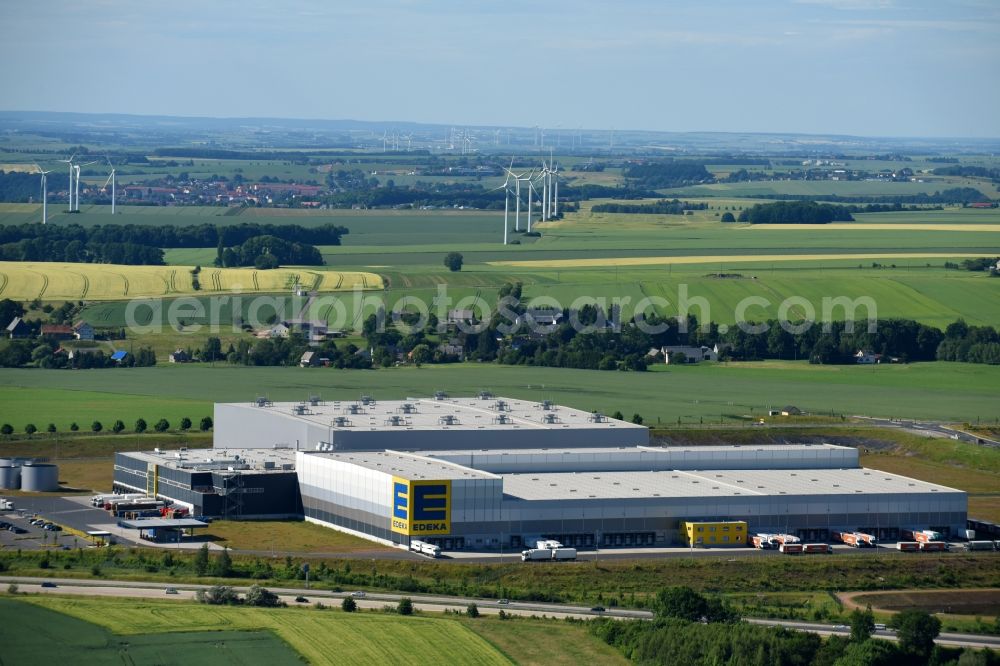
x,y
927,68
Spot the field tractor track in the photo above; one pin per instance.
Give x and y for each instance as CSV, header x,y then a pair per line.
x,y
125,280
172,284
364,281
318,281
86,286
45,285
216,281
340,281
256,285
3,282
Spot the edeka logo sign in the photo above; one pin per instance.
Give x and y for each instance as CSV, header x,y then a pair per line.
x,y
421,507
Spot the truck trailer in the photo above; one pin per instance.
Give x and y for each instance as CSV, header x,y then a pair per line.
x,y
921,535
908,546
816,548
536,554
761,541
790,548
933,546
980,545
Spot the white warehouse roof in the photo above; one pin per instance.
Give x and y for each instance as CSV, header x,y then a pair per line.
x,y
404,465
475,413
713,483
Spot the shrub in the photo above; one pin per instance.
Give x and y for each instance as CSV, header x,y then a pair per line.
x,y
140,425
348,605
97,426
118,426
472,610
405,606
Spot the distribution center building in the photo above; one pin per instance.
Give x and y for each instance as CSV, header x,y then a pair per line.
x,y
486,472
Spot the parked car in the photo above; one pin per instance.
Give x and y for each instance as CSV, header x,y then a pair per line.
x,y
170,590
301,600
48,584
597,609
358,595
503,602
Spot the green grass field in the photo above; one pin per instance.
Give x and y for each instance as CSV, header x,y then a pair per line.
x,y
34,633
945,391
320,637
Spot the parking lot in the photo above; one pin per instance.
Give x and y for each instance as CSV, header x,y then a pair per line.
x,y
26,536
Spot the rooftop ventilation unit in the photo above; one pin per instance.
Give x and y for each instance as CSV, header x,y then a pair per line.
x,y
262,401
550,418
597,417
501,406
367,400
486,395
268,464
547,405
440,395
341,422
395,420
502,419
300,410
448,419
354,409
315,400
408,408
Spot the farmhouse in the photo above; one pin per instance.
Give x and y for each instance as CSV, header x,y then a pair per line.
x,y
18,329
57,332
83,331
685,354
867,357
179,356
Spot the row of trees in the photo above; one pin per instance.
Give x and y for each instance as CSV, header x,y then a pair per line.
x,y
692,629
795,212
171,236
667,173
75,251
661,207
117,427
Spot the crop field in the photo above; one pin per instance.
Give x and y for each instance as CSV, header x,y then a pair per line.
x,y
36,633
943,391
821,187
321,637
53,281
958,602
722,259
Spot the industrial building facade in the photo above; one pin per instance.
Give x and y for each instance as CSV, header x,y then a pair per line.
x,y
486,472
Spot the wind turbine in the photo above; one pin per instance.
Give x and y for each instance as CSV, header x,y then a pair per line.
x,y
555,190
111,179
70,163
77,167
506,201
45,193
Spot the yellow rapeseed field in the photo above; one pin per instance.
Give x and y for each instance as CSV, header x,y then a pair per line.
x,y
55,281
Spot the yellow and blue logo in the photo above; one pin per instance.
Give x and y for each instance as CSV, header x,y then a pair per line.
x,y
421,507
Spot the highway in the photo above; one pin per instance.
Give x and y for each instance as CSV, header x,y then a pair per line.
x,y
428,603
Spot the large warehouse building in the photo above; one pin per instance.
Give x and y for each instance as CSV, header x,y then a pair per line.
x,y
486,472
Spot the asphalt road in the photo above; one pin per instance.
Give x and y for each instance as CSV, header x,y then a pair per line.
x,y
931,428
143,590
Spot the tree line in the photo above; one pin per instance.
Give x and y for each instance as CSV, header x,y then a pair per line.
x,y
141,426
661,174
172,236
22,187
795,212
690,629
661,207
